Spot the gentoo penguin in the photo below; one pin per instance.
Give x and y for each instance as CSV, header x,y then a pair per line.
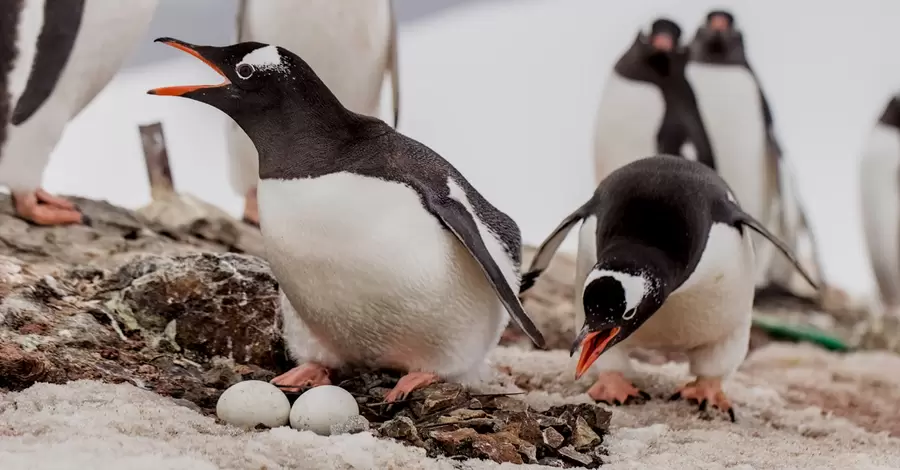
x,y
733,113
665,262
385,254
741,128
880,197
55,56
647,105
349,43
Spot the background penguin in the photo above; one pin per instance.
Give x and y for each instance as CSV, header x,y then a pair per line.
x,y
665,261
55,56
349,43
647,105
386,255
789,222
880,194
738,120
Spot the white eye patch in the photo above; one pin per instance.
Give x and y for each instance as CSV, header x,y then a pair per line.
x,y
264,58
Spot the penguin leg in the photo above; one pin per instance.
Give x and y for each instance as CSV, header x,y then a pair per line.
x,y
43,208
251,208
316,362
611,386
711,364
408,383
310,374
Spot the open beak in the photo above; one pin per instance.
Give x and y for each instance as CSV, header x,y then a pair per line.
x,y
192,50
593,343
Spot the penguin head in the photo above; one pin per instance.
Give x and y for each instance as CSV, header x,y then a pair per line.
x,y
719,35
259,78
616,303
663,35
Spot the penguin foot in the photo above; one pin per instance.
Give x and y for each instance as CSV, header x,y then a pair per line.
x,y
43,208
251,208
306,375
613,388
705,391
408,383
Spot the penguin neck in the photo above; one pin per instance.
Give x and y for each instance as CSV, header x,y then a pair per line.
x,y
642,260
640,63
307,128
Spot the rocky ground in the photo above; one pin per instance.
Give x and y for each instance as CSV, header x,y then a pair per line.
x,y
176,301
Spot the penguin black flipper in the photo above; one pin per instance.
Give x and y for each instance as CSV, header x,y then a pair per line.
x,y
456,218
393,64
739,217
548,248
62,21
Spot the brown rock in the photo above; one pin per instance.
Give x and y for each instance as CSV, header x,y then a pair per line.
x,y
583,437
403,429
20,369
498,447
552,438
577,457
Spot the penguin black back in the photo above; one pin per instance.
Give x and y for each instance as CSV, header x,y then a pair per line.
x,y
891,115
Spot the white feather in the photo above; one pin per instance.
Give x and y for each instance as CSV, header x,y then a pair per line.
x,y
346,44
108,33
375,278
628,120
879,173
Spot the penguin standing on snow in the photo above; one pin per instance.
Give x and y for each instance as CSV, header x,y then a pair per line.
x,y
880,195
349,43
738,119
55,56
385,254
647,105
665,262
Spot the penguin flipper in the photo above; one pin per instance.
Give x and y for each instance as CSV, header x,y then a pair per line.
x,y
457,218
54,46
741,217
393,65
548,249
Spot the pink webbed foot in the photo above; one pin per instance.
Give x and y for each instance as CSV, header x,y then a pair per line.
x,y
408,383
303,376
43,208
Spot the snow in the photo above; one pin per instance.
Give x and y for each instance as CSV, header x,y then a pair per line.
x,y
507,91
87,424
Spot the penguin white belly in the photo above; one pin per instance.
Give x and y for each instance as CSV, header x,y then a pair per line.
x,y
714,302
628,121
108,33
879,179
730,106
375,278
346,44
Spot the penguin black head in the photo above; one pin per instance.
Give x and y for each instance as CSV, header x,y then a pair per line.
x,y
616,303
719,38
664,35
260,79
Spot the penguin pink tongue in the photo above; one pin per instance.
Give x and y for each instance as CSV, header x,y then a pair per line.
x,y
182,89
593,345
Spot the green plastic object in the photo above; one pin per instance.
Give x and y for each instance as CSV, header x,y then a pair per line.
x,y
806,333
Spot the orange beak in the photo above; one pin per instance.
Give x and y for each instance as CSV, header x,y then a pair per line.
x,y
181,90
592,346
663,42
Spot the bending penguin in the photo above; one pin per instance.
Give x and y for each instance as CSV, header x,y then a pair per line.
x,y
880,197
739,121
350,44
647,105
386,256
55,56
665,262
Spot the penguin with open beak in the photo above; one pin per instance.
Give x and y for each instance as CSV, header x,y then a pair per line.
x,y
385,254
665,262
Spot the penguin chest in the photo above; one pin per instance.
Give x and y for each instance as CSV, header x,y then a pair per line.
x,y
374,276
730,106
715,300
345,42
628,122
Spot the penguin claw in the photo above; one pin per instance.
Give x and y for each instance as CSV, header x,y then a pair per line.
x,y
612,388
704,392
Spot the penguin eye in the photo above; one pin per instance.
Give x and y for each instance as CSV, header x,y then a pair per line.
x,y
244,71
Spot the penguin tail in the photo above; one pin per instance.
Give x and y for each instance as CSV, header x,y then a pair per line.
x,y
748,221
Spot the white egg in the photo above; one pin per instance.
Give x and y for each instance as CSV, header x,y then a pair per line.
x,y
252,402
321,407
